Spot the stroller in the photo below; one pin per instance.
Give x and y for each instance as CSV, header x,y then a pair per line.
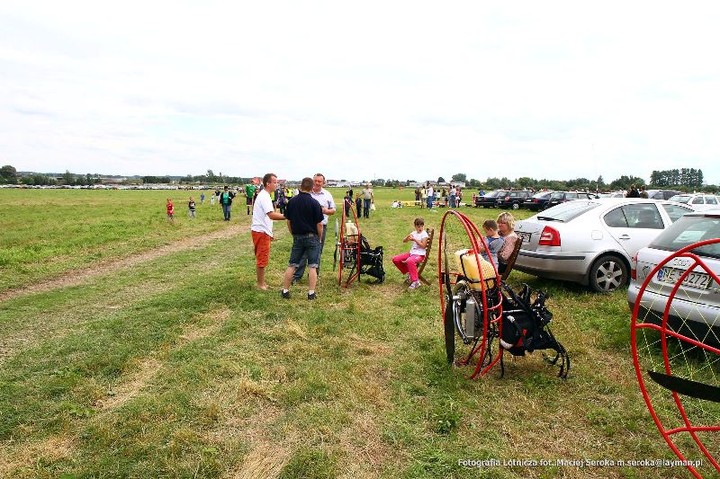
x,y
354,251
371,260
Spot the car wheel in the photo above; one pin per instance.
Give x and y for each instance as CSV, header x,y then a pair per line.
x,y
516,206
608,273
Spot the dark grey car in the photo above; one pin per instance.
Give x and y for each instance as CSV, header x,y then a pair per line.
x,y
490,199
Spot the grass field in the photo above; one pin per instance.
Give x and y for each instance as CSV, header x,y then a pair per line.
x,y
133,347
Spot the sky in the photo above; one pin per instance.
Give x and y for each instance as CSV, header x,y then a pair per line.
x,y
406,90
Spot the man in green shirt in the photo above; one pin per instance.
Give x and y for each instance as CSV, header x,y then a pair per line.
x,y
249,196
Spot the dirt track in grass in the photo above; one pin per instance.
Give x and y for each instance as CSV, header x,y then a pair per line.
x,y
79,276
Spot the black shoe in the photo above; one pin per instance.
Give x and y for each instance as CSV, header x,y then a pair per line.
x,y
312,296
285,294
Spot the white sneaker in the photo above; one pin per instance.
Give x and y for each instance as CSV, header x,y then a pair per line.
x,y
414,285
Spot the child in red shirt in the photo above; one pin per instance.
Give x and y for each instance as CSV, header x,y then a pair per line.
x,y
170,210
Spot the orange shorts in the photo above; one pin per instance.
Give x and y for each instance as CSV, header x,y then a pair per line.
x,y
261,241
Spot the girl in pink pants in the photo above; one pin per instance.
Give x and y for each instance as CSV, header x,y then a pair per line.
x,y
407,262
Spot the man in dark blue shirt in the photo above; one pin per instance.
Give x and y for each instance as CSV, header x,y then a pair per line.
x,y
305,217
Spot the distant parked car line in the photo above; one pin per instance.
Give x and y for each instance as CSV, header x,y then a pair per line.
x,y
697,201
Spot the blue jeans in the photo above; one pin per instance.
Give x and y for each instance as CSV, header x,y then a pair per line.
x,y
430,200
226,212
300,271
305,247
366,208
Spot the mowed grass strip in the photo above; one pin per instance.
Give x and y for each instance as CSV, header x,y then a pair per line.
x,y
178,367
45,233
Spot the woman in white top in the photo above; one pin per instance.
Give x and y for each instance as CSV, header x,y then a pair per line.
x,y
407,262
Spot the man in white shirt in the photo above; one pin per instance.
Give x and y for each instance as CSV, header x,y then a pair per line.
x,y
327,204
430,192
262,226
368,200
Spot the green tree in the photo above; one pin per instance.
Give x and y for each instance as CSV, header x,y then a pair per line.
x,y
68,178
459,177
493,183
38,179
8,174
579,184
525,183
624,182
658,179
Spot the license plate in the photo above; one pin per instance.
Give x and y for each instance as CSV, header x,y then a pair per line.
x,y
525,237
694,279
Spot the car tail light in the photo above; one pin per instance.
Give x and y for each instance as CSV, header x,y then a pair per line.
x,y
633,267
549,237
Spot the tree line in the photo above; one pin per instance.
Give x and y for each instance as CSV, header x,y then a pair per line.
x,y
683,179
10,175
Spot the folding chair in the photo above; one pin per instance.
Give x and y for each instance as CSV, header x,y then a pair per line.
x,y
507,267
421,265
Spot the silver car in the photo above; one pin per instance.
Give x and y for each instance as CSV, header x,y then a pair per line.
x,y
591,241
697,201
695,309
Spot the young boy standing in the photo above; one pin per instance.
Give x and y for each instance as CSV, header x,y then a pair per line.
x,y
170,210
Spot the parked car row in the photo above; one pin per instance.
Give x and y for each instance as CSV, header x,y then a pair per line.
x,y
515,199
697,201
613,243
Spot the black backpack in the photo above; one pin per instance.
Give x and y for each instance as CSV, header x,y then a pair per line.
x,y
525,322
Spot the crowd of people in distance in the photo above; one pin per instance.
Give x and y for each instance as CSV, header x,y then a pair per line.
x,y
431,196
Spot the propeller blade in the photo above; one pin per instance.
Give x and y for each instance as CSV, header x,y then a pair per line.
x,y
686,387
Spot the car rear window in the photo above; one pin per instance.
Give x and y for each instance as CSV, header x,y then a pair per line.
x,y
565,212
688,230
675,211
680,198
